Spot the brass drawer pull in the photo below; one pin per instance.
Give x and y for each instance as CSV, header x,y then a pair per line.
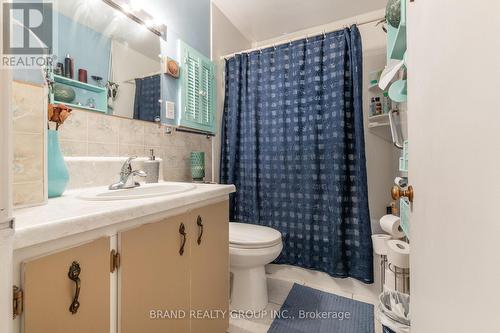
x,y
199,222
74,275
182,231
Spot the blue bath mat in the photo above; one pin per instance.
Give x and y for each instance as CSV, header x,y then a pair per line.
x,y
308,310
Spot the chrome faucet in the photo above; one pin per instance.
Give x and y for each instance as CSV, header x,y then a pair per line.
x,y
127,176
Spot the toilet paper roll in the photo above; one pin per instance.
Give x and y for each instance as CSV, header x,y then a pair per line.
x,y
380,243
392,225
398,253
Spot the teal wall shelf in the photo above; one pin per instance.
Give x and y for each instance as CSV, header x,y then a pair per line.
x,y
396,50
78,84
396,37
84,92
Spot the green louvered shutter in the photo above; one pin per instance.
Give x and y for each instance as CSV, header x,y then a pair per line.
x,y
198,91
192,82
207,93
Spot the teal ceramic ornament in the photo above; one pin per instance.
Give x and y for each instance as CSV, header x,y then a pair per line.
x,y
63,93
198,165
393,13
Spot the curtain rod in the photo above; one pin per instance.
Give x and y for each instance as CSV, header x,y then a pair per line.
x,y
227,56
132,80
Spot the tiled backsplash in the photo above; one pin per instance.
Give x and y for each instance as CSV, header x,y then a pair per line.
x,y
87,133
29,108
91,171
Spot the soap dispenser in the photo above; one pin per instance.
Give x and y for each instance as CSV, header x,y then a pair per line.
x,y
152,168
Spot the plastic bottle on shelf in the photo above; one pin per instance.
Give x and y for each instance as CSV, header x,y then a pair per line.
x,y
386,103
372,107
378,106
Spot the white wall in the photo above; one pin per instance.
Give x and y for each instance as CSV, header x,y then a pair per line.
x,y
5,144
129,64
454,159
381,155
225,39
5,199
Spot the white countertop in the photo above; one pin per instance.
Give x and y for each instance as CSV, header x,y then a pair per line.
x,y
69,215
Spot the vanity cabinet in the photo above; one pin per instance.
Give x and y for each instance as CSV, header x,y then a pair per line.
x,y
154,277
172,276
209,268
49,292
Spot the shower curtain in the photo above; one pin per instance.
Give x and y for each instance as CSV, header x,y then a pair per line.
x,y
293,144
147,95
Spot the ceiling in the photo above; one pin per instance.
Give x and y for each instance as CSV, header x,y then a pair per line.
x,y
259,20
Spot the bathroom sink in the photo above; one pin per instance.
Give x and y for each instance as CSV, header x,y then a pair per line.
x,y
143,191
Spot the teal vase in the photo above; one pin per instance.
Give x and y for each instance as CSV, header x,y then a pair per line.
x,y
58,176
198,165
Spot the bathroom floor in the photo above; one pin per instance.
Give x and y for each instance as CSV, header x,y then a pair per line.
x,y
278,288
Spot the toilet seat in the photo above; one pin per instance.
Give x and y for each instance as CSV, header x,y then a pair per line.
x,y
250,236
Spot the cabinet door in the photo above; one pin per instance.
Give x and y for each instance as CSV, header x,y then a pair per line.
x,y
154,279
49,292
210,268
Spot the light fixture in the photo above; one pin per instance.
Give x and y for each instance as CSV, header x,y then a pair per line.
x,y
149,23
126,8
135,5
132,10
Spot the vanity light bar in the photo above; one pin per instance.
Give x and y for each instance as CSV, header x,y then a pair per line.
x,y
139,16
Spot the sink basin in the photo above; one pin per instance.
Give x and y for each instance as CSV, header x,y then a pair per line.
x,y
143,191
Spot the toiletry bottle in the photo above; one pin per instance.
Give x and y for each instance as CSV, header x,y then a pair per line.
x,y
387,104
59,70
69,67
394,208
152,168
372,107
378,106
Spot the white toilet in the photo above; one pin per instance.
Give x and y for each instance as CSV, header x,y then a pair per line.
x,y
251,247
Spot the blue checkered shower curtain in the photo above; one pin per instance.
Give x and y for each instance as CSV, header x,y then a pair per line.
x,y
147,95
293,144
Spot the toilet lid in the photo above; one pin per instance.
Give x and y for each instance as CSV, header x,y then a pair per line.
x,y
245,235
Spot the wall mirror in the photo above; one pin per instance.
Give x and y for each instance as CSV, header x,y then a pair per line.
x,y
107,60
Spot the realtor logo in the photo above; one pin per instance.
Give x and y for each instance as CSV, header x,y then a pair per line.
x,y
27,34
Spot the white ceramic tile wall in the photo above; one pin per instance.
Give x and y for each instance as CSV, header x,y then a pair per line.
x,y
93,134
29,113
91,171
